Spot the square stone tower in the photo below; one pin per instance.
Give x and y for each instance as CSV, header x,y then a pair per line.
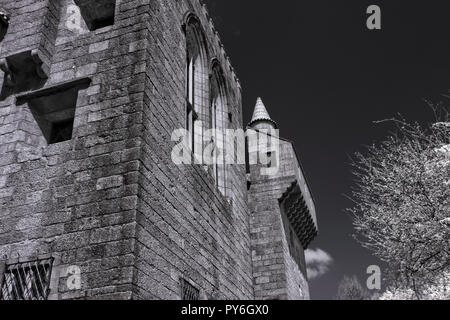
x,y
92,203
91,94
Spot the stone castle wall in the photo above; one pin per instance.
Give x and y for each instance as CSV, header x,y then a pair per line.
x,y
186,227
110,200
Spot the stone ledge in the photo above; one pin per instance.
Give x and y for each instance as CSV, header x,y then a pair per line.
x,y
81,83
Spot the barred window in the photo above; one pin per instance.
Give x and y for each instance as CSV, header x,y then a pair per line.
x,y
188,291
27,280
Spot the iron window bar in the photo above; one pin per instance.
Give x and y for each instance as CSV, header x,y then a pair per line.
x,y
27,280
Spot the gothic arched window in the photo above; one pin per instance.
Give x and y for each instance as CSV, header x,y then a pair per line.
x,y
196,84
220,122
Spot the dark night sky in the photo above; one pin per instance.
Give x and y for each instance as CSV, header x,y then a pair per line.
x,y
325,78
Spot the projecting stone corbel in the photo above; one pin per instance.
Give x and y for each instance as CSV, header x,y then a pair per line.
x,y
9,74
4,23
38,62
24,71
4,66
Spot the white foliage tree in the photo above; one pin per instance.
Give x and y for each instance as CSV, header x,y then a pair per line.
x,y
402,203
438,291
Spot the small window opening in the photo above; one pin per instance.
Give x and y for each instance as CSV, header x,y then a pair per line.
x,y
61,131
54,109
272,160
103,22
97,14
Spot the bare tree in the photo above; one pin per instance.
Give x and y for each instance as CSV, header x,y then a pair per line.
x,y
402,201
351,289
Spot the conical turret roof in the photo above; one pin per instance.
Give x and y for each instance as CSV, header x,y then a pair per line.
x,y
260,114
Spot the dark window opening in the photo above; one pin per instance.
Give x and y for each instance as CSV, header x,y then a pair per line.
x,y
61,131
188,291
54,109
230,117
27,280
247,159
272,160
97,14
102,22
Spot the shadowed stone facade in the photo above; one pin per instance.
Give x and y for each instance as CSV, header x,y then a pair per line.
x,y
91,94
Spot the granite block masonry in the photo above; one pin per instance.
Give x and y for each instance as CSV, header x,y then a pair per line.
x,y
91,92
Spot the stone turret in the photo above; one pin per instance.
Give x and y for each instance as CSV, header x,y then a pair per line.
x,y
261,118
283,220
